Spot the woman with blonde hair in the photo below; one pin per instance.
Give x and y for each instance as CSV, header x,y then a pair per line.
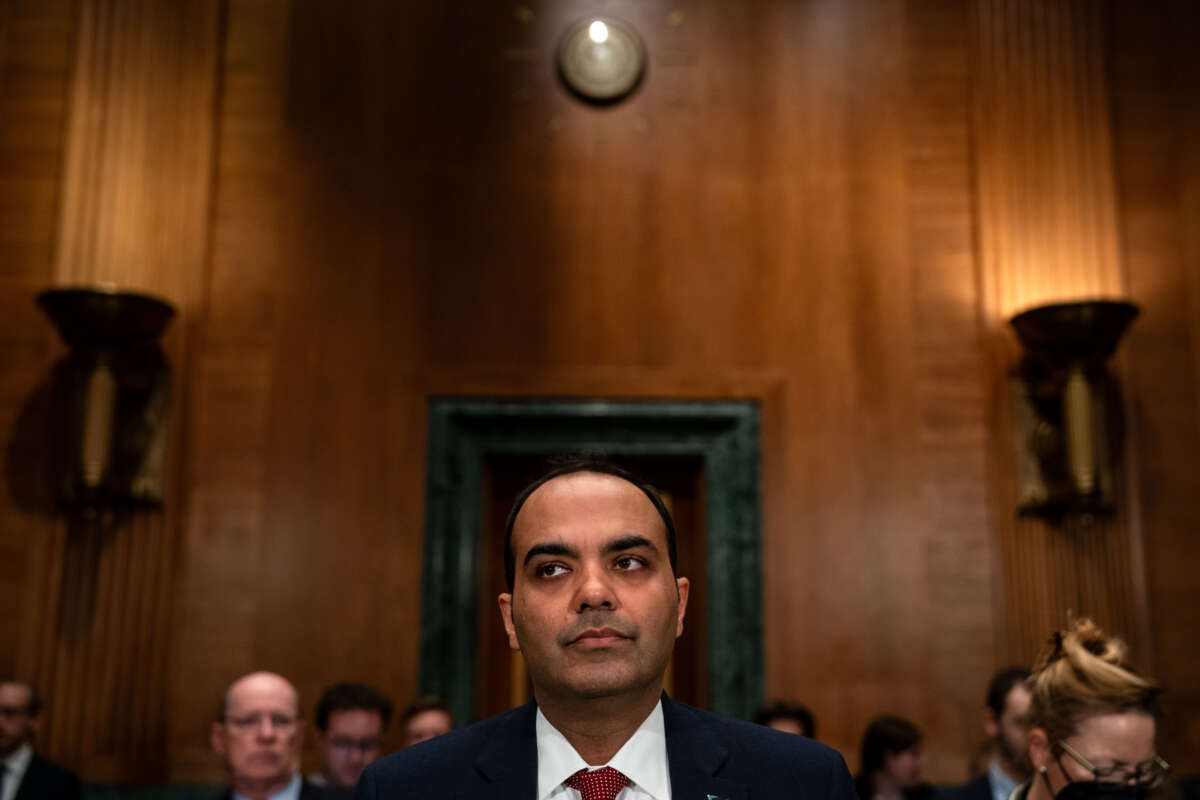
x,y
1092,721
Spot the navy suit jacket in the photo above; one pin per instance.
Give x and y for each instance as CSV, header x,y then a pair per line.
x,y
46,781
710,757
978,789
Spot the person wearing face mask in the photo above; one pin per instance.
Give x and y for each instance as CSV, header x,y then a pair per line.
x,y
1092,722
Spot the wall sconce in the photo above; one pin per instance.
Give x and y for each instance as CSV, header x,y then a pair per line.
x,y
111,398
1065,407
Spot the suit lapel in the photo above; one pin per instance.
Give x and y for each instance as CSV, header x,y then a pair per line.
x,y
30,786
506,766
695,754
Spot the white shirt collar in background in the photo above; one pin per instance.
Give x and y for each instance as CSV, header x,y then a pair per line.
x,y
289,792
14,770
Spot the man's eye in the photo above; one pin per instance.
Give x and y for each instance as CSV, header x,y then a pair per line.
x,y
630,563
550,570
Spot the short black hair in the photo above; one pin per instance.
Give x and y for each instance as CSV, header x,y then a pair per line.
x,y
35,698
423,704
1001,684
348,696
793,711
583,462
886,734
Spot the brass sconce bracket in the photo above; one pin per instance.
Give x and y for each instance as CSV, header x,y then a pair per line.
x,y
1065,412
111,397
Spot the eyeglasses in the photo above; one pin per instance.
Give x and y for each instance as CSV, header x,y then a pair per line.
x,y
364,746
249,722
1149,773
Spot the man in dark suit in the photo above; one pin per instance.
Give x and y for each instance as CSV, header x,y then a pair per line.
x,y
258,735
1006,722
23,775
594,606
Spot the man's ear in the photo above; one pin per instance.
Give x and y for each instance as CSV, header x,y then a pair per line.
x,y
682,585
217,739
990,724
505,600
1039,748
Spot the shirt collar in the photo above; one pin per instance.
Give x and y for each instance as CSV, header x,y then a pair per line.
x,y
18,761
1002,785
289,792
642,759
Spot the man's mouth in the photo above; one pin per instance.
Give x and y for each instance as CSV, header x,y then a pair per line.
x,y
599,637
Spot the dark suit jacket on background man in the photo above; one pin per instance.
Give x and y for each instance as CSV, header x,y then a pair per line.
x,y
45,781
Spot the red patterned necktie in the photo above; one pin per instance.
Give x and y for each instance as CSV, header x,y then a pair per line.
x,y
598,784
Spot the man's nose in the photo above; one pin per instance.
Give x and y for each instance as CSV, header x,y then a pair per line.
x,y
595,590
266,729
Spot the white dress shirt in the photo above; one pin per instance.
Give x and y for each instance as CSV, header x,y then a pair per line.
x,y
14,770
289,792
1002,785
642,759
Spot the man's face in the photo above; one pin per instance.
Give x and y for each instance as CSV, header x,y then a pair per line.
x,y
595,607
787,725
352,740
905,767
1011,730
259,739
16,723
426,725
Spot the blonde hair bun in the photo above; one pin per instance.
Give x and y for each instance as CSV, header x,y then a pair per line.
x,y
1082,672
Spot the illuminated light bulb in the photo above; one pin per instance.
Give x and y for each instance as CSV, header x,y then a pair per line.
x,y
598,32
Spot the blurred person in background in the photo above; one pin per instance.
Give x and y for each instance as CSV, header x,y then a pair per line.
x,y
1092,721
1006,722
257,735
426,718
350,720
23,775
891,762
787,717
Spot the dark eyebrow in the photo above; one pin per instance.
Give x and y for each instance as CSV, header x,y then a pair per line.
x,y
629,543
550,549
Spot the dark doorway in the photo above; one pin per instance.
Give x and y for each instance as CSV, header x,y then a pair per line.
x,y
704,455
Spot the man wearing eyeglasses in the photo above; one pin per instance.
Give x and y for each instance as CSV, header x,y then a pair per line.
x,y
350,720
23,775
258,737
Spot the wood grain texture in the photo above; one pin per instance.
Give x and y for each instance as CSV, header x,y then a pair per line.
x,y
826,207
1047,205
1046,208
1156,123
36,47
135,150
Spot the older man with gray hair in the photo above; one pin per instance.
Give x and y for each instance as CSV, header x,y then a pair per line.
x,y
258,736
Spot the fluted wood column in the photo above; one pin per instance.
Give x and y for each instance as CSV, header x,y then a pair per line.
x,y
1047,231
136,187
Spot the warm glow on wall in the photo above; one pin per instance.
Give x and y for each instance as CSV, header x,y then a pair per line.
x,y
1047,222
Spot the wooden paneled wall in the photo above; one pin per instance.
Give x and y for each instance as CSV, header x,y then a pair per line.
x,y
1156,121
134,154
1047,232
827,207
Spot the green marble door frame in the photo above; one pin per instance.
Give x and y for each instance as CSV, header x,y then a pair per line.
x,y
464,432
